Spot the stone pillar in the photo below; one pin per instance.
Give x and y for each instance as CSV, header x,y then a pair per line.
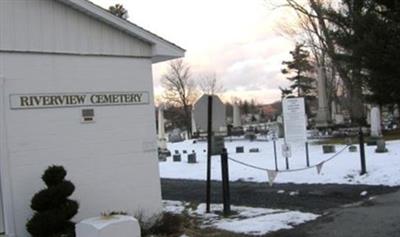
x,y
376,122
322,119
162,141
396,113
236,116
194,128
333,111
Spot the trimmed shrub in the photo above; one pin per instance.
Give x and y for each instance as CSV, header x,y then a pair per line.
x,y
53,209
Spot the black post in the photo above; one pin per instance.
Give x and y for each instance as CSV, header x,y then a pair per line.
x,y
276,159
307,155
362,152
287,163
209,145
225,183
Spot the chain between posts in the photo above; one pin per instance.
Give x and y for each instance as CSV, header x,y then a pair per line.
x,y
292,170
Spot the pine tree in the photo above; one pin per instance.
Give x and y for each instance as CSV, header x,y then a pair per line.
x,y
53,209
298,70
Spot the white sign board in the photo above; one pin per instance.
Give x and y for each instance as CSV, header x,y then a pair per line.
x,y
294,117
58,100
200,113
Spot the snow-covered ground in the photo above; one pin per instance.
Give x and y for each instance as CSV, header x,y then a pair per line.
x,y
382,168
246,220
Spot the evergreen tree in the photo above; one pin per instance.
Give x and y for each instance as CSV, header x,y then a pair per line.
x,y
298,70
53,209
367,35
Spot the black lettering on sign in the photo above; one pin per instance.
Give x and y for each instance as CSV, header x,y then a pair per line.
x,y
78,99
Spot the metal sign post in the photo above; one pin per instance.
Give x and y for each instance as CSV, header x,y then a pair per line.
x,y
209,147
286,152
307,155
225,183
274,139
362,152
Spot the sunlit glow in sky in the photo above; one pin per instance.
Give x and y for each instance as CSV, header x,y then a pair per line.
x,y
235,39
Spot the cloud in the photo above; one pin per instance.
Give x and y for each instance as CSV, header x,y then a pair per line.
x,y
234,39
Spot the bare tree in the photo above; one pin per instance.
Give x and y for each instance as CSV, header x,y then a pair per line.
x,y
180,89
210,85
314,29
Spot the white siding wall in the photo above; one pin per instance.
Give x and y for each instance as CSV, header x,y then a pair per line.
x,y
50,26
108,160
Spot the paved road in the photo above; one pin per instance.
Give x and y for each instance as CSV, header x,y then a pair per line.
x,y
377,218
316,198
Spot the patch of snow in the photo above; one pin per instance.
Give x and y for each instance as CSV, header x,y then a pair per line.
x,y
382,168
294,193
281,191
175,207
247,220
363,193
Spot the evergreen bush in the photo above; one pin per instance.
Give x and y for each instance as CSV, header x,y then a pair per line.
x,y
53,209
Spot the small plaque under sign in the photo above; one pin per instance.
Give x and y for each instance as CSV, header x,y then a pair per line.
x,y
286,150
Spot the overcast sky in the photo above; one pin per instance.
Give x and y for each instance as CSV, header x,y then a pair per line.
x,y
236,39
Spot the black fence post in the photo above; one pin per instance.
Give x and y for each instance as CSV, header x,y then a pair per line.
x,y
225,183
362,152
307,155
275,155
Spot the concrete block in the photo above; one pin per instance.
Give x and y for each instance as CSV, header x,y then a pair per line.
x,y
113,226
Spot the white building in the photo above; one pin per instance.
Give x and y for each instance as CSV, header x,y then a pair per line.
x,y
59,61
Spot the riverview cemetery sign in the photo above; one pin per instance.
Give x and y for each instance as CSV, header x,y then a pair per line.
x,y
294,118
58,100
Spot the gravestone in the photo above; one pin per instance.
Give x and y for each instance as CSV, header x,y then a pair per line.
x,y
328,149
200,113
239,149
236,116
348,141
177,158
352,148
192,158
322,119
175,136
162,141
251,136
162,158
167,153
380,146
254,150
376,122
